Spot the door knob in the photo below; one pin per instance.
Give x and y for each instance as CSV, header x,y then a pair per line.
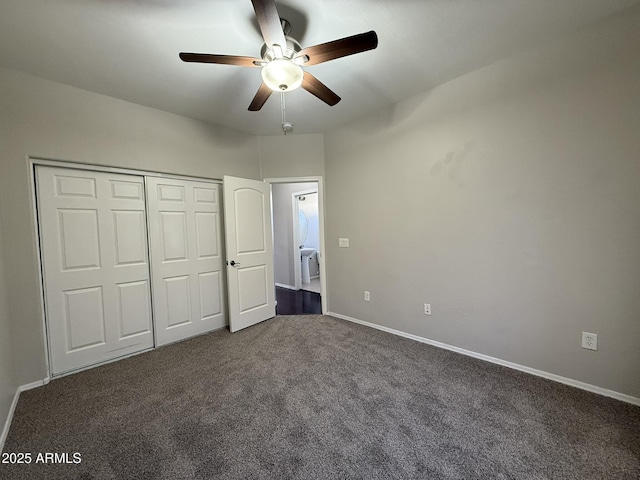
x,y
233,263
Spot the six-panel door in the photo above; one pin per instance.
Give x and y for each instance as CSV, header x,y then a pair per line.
x,y
95,266
186,258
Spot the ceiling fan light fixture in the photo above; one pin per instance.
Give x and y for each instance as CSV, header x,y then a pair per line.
x,y
282,75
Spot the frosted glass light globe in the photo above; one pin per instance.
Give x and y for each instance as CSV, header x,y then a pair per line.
x,y
282,75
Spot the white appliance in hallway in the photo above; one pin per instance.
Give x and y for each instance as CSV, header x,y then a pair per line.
x,y
305,255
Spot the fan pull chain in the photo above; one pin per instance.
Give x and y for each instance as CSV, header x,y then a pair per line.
x,y
286,126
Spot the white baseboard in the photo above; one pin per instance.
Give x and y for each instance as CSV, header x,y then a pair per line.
x,y
550,376
7,422
288,287
12,408
32,385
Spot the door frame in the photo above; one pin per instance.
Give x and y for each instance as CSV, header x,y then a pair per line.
x,y
323,250
295,251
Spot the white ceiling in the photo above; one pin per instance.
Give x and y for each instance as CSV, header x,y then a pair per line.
x,y
128,49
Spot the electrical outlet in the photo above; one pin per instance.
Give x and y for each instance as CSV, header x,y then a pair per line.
x,y
367,296
343,242
590,340
427,309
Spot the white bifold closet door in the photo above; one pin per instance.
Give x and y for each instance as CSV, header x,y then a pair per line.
x,y
186,258
95,266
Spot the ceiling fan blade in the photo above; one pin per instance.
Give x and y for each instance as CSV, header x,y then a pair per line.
x,y
262,95
339,48
223,59
314,86
269,22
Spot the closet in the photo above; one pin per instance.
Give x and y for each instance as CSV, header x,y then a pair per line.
x,y
184,234
129,262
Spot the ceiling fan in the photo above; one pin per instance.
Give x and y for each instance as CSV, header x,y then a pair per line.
x,y
283,57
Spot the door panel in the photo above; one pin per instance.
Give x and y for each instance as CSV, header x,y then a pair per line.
x,y
251,287
96,274
249,249
174,235
170,193
250,220
127,190
130,237
75,186
178,301
134,314
186,260
84,318
210,288
75,224
207,234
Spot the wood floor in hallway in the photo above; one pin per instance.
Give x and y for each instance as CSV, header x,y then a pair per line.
x,y
297,302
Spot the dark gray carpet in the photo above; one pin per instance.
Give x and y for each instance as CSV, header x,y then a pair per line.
x,y
318,398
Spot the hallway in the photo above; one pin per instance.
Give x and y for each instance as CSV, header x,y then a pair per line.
x,y
300,302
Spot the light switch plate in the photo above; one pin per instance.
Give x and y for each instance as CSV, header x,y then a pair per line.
x,y
343,242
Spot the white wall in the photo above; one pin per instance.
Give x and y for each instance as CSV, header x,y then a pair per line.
x,y
8,384
292,156
45,119
509,199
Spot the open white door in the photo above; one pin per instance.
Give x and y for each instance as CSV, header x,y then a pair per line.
x,y
249,248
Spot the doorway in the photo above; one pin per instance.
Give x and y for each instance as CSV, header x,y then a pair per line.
x,y
298,233
307,237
